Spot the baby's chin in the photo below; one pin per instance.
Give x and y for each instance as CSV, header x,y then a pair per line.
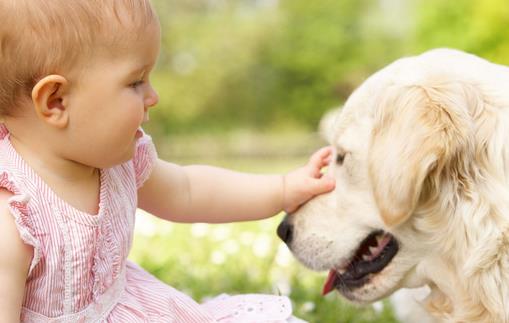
x,y
112,161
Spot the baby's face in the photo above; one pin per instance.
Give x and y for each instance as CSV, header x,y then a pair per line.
x,y
110,102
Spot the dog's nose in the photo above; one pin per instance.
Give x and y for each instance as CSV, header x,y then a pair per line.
x,y
285,231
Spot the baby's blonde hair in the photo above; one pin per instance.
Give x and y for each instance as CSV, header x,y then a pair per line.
x,y
43,37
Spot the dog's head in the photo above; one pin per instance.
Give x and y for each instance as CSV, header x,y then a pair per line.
x,y
411,144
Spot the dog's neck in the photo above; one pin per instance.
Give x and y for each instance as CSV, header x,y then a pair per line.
x,y
469,274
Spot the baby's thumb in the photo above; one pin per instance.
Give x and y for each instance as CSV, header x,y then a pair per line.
x,y
323,185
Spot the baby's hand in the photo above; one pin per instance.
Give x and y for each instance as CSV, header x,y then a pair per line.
x,y
306,182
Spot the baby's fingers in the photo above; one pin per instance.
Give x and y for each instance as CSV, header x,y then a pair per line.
x,y
320,155
319,159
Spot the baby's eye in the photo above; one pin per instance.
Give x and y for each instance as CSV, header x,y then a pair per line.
x,y
136,84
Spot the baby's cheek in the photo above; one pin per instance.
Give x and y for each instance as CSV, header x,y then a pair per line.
x,y
134,118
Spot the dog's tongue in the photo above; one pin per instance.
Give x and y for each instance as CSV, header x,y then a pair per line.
x,y
330,283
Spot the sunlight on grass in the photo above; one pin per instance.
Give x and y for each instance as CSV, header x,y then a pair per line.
x,y
204,260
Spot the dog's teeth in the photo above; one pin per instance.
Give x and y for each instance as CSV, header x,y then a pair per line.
x,y
341,271
365,257
372,250
379,239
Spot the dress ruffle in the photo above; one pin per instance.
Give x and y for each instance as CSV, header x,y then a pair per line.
x,y
250,308
144,159
17,205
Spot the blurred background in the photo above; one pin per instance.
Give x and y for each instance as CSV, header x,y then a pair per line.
x,y
243,85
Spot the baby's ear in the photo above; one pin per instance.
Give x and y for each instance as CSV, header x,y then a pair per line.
x,y
48,99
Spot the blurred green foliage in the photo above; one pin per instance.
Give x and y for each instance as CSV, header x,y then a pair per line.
x,y
479,27
277,65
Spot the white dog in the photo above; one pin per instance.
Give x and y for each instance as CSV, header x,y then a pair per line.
x,y
422,192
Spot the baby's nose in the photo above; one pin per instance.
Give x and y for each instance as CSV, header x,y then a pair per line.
x,y
152,98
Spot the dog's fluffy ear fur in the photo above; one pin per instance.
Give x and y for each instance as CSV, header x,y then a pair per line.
x,y
418,130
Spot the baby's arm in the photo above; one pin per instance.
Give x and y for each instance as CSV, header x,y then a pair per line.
x,y
216,195
15,258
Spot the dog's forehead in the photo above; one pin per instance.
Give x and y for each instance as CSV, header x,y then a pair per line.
x,y
355,135
353,125
356,117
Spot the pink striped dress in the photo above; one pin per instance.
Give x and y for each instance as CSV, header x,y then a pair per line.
x,y
80,272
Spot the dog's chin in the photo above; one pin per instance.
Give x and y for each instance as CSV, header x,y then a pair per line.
x,y
376,287
368,274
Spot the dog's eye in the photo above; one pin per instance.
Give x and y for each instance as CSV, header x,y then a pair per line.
x,y
340,158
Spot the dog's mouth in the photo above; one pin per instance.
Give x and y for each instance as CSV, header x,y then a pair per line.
x,y
373,255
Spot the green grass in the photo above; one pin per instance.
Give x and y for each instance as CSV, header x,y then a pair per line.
x,y
206,260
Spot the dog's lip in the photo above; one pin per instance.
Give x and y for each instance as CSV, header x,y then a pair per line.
x,y
373,254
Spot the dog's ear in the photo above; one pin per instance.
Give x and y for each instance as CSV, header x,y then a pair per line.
x,y
417,131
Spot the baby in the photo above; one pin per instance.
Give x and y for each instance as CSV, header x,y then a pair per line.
x,y
75,164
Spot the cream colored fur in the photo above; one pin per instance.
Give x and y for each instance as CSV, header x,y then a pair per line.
x,y
426,144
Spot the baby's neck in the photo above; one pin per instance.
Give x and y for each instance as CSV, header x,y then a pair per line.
x,y
75,183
